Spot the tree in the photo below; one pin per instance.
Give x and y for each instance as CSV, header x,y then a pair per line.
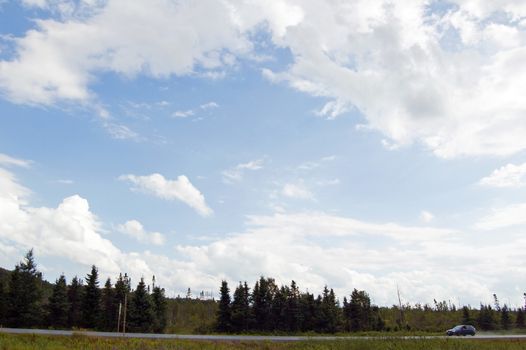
x,y
108,320
224,313
159,309
262,296
486,318
141,312
75,297
519,321
294,316
241,308
3,303
505,320
466,317
329,316
91,301
58,304
24,301
122,289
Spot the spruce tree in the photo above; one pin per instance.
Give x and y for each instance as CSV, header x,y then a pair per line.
x,y
519,321
159,309
3,303
141,312
91,301
122,289
241,309
224,313
58,304
24,301
75,297
108,321
294,316
279,310
505,319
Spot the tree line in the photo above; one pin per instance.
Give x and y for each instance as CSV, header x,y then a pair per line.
x,y
80,304
269,308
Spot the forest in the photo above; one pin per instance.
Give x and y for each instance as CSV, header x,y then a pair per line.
x,y
28,301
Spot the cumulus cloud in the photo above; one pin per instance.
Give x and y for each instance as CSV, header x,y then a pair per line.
x,y
313,248
136,230
509,175
236,173
451,80
179,189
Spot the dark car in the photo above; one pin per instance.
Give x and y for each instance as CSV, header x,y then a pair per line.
x,y
462,330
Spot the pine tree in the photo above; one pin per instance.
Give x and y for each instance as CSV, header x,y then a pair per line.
x,y
141,312
262,296
58,304
519,321
308,312
24,301
224,313
91,301
108,321
486,318
279,310
159,309
122,289
75,297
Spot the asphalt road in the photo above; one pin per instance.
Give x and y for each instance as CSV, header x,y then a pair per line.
x,y
235,337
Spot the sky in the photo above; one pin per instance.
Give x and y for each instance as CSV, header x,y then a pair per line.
x,y
377,145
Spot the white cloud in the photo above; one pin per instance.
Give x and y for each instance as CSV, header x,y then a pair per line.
x,y
136,230
398,63
191,112
179,189
313,248
509,175
510,215
426,216
296,190
236,173
6,160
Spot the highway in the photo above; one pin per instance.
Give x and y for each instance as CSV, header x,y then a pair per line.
x,y
239,337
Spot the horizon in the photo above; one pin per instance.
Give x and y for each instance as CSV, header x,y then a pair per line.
x,y
369,145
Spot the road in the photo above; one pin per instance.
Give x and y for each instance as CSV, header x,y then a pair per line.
x,y
235,337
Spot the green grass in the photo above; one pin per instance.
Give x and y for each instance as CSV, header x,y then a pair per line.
x,y
24,342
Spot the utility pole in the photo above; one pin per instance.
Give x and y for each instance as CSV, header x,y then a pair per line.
x,y
119,318
125,304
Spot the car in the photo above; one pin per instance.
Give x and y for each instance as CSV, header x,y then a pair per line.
x,y
463,329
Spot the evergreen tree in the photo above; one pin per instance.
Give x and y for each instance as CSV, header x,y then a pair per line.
x,y
278,310
329,316
91,300
141,312
308,312
519,321
108,321
505,320
75,297
241,309
24,300
262,296
224,313
159,309
294,316
122,289
58,304
486,318
466,317
3,303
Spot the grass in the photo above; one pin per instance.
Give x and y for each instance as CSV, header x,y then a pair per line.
x,y
25,342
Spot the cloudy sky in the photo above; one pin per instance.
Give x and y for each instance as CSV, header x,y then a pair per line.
x,y
359,144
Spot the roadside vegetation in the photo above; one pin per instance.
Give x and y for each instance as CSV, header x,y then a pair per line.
x,y
27,301
28,342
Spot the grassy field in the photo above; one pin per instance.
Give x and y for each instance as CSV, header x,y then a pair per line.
x,y
23,342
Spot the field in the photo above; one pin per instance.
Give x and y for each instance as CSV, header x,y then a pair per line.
x,y
23,342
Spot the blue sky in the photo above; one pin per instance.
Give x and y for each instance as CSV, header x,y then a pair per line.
x,y
355,144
